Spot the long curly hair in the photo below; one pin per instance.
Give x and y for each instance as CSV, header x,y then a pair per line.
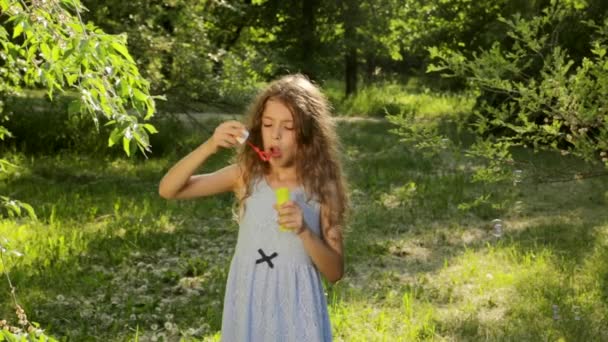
x,y
318,166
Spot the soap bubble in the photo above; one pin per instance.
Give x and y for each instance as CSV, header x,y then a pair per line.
x,y
497,227
517,177
555,312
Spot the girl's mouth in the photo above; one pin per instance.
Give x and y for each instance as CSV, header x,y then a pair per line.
x,y
275,152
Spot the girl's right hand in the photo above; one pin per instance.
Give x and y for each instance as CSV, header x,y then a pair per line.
x,y
226,133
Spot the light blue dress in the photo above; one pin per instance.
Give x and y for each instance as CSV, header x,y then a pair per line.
x,y
274,292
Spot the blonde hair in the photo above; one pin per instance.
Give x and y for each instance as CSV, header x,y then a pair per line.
x,y
318,166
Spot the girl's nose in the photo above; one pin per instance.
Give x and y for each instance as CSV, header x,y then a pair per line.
x,y
276,134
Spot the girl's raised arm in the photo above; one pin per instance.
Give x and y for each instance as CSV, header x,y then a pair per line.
x,y
179,182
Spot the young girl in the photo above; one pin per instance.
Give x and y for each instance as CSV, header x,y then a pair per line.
x,y
274,290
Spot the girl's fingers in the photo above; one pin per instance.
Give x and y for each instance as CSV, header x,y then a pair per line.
x,y
287,212
237,131
287,223
227,142
230,139
288,205
231,128
235,124
225,134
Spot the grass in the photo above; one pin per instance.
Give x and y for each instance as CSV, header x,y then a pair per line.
x,y
395,98
110,260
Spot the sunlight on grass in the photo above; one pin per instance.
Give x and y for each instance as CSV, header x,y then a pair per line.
x,y
395,98
398,318
110,260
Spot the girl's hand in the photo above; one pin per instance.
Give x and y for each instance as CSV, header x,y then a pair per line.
x,y
226,133
290,216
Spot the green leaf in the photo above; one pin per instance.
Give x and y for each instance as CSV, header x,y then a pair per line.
x,y
55,53
71,78
150,111
124,88
76,27
139,95
3,32
125,145
114,136
18,29
150,128
123,51
46,51
141,137
30,210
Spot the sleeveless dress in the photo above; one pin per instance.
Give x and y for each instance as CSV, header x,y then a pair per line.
x,y
274,292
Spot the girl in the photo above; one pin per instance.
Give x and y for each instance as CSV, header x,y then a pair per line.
x,y
274,290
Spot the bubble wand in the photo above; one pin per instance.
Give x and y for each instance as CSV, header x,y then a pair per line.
x,y
265,156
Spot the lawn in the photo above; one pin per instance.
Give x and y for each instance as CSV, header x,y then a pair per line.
x,y
109,260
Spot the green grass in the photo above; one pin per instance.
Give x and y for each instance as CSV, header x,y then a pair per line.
x,y
109,259
383,98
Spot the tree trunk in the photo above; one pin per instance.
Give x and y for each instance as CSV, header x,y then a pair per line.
x,y
231,41
350,42
351,71
370,68
308,37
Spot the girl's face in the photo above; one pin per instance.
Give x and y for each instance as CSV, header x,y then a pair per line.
x,y
278,133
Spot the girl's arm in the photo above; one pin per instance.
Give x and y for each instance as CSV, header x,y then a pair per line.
x,y
179,182
326,253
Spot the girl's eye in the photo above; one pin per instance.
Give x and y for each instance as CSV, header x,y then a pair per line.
x,y
266,125
289,128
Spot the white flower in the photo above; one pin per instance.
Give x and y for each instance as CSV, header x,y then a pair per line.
x,y
170,327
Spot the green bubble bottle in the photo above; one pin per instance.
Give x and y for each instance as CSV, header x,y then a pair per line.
x,y
282,197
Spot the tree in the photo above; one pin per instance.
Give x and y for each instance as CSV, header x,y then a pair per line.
x,y
544,97
350,42
46,44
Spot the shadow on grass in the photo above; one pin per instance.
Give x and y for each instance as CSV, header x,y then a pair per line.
x,y
109,256
555,287
146,257
128,279
401,246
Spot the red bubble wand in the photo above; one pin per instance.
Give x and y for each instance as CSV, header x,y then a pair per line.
x,y
264,156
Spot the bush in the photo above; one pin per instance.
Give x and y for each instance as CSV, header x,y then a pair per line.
x,y
533,93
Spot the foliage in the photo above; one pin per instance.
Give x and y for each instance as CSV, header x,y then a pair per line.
x,y
28,331
533,94
46,44
190,50
51,47
542,98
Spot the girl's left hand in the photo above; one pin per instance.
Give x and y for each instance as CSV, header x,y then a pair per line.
x,y
290,216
